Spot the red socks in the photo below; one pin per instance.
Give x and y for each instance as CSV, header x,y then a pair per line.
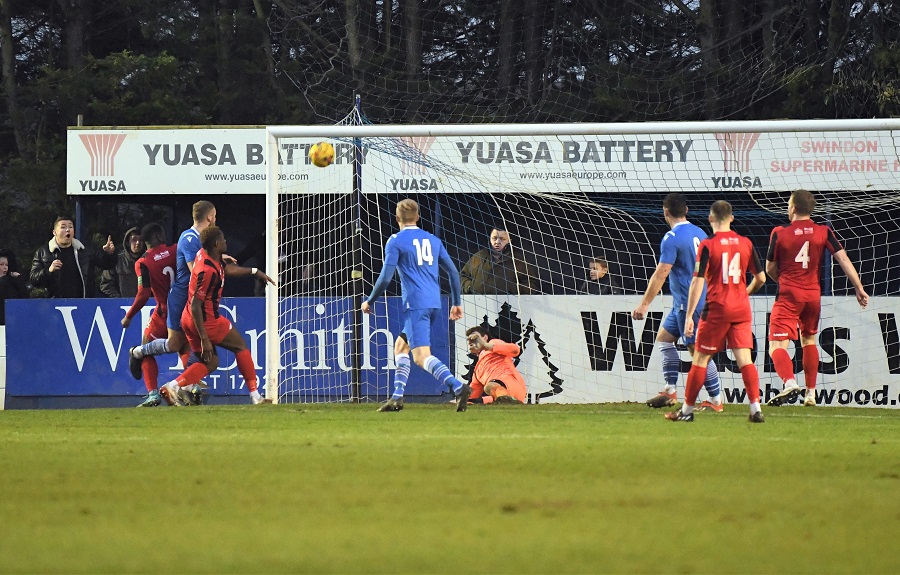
x,y
193,374
751,382
810,365
246,367
150,369
783,364
696,377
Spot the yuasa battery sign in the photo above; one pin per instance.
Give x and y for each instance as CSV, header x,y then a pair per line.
x,y
192,161
233,161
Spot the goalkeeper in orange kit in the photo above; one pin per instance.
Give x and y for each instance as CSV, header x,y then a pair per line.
x,y
495,378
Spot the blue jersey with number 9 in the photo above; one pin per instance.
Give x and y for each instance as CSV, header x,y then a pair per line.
x,y
679,249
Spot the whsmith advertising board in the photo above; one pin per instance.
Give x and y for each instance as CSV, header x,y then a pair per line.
x,y
576,349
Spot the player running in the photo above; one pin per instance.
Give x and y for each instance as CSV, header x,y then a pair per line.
x,y
794,260
677,255
722,262
154,270
495,378
417,255
204,328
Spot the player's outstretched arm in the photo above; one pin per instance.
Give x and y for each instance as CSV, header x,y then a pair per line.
x,y
653,288
850,271
234,270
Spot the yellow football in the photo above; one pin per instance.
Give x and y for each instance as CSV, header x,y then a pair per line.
x,y
321,154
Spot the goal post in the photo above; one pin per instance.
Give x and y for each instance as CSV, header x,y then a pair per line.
x,y
566,195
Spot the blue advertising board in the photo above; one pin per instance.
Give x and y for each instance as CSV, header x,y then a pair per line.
x,y
77,347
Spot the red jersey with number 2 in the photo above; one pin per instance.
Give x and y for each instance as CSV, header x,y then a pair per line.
x,y
797,249
723,260
155,272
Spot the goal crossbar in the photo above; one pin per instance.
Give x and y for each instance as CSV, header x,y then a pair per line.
x,y
437,130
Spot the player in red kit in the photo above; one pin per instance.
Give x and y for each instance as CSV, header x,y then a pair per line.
x,y
204,327
154,270
726,321
794,260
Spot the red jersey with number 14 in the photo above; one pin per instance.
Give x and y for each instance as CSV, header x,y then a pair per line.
x,y
797,249
723,259
155,272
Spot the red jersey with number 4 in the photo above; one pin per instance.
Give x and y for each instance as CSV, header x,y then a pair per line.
x,y
207,279
155,272
797,249
723,259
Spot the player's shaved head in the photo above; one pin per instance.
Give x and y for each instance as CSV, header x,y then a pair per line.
x,y
804,202
676,204
720,210
201,210
209,236
407,211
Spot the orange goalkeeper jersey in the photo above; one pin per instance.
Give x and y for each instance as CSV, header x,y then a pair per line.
x,y
497,364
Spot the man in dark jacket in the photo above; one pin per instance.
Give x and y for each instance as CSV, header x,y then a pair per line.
x,y
65,266
494,270
122,281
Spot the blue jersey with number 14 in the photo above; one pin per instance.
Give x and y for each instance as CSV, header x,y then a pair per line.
x,y
417,255
679,249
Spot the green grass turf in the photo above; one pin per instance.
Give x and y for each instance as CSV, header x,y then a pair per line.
x,y
550,489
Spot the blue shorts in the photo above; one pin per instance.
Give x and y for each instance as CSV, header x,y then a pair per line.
x,y
417,326
176,305
674,324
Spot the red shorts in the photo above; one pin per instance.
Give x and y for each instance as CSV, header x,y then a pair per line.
x,y
787,314
156,328
216,329
712,336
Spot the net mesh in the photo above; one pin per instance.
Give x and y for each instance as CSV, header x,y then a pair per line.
x,y
577,346
581,60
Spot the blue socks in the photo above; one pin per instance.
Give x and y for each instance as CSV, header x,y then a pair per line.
x,y
711,383
401,375
440,372
671,364
155,347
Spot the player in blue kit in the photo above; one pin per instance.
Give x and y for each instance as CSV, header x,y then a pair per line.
x,y
677,256
417,255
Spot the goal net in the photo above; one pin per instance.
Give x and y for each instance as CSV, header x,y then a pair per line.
x,y
570,198
583,60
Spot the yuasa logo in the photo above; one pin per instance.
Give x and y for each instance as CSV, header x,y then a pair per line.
x,y
736,149
416,159
102,149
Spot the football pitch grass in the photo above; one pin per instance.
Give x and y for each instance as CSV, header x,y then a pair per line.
x,y
537,489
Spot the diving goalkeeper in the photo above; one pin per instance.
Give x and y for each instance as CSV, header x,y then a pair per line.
x,y
495,378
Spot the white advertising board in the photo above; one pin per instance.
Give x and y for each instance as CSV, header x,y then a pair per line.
x,y
859,350
232,161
